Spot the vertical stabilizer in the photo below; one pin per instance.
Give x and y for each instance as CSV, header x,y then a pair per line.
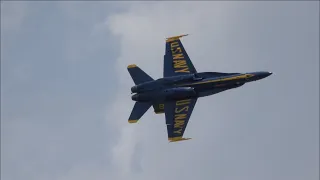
x,y
158,108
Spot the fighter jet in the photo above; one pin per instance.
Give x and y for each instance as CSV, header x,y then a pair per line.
x,y
177,92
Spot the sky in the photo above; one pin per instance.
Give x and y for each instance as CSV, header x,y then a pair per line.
x,y
65,91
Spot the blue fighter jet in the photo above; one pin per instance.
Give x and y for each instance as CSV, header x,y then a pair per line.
x,y
177,92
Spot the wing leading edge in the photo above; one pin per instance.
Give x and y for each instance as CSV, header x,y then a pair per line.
x,y
176,59
177,117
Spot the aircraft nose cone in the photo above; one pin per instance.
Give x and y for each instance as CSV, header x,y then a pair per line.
x,y
262,75
268,74
259,75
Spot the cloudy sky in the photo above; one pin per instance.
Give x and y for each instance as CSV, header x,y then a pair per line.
x,y
65,91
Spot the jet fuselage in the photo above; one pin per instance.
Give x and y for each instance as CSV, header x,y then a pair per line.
x,y
177,92
192,85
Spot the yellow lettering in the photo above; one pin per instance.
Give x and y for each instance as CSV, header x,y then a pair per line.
x,y
174,44
178,131
186,70
180,64
177,50
178,56
178,124
161,106
180,116
183,102
186,108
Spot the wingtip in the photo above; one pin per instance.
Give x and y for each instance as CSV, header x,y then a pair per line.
x,y
173,38
176,139
132,121
132,66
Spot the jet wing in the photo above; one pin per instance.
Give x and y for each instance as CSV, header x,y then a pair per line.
x,y
176,59
177,117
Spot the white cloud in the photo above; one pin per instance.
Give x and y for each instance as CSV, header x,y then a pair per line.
x,y
142,32
247,133
221,40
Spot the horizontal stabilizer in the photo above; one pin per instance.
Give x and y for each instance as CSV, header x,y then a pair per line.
x,y
139,109
138,76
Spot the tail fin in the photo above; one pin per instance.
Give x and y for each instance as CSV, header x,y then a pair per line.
x,y
139,109
138,75
158,108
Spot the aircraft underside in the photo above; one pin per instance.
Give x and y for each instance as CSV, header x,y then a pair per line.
x,y
177,92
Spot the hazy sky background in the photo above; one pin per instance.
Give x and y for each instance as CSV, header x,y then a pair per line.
x,y
65,91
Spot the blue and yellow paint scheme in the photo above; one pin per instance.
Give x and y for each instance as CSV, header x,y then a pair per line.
x,y
176,93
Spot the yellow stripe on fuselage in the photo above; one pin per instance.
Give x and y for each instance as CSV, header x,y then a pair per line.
x,y
220,79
